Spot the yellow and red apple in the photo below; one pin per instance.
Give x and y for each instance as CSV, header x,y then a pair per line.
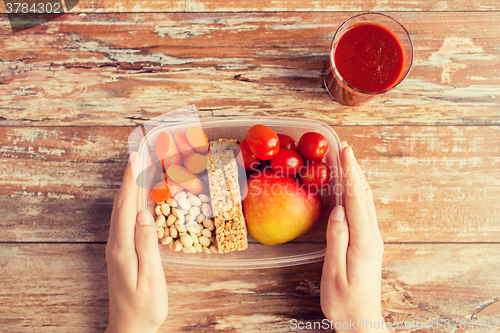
x,y
278,209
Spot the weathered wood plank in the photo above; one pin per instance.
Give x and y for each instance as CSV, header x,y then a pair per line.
x,y
427,180
57,183
63,287
343,5
92,69
141,6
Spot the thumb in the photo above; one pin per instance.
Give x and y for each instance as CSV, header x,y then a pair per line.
x,y
337,241
146,245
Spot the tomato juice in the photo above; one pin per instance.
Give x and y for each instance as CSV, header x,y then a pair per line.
x,y
369,57
371,53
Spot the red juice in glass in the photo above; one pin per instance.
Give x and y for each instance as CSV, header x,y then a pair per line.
x,y
371,54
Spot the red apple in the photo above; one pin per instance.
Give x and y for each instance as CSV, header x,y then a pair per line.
x,y
277,209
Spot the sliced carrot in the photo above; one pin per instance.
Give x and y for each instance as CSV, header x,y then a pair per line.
x,y
198,140
167,151
185,149
186,179
161,191
195,163
174,187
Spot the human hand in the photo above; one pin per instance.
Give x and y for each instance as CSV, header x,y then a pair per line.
x,y
138,300
351,278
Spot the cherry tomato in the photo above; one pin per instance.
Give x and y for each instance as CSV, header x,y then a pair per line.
x,y
251,161
287,142
312,146
263,142
287,162
316,175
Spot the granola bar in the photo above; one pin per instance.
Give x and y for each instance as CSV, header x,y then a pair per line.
x,y
230,228
223,144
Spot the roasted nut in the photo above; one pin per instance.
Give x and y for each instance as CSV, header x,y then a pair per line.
x,y
161,233
181,218
194,211
189,249
204,198
173,231
181,228
187,240
165,209
194,227
172,202
171,220
194,237
177,246
159,221
184,203
207,233
206,209
194,201
205,249
209,224
204,241
158,210
200,218
166,240
198,247
181,194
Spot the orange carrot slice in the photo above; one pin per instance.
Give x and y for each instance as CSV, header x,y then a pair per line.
x,y
174,187
198,140
166,150
195,163
185,149
186,179
161,191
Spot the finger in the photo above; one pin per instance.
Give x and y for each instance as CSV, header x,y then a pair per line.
x,y
370,206
152,169
337,241
148,252
355,200
125,206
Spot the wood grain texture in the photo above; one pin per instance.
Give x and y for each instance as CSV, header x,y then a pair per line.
x,y
72,90
430,183
140,6
63,287
93,70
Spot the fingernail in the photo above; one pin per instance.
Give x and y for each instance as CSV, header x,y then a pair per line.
x,y
144,218
131,157
344,144
338,213
350,152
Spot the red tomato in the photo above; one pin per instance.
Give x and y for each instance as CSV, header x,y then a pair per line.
x,y
287,162
312,146
263,142
287,142
316,175
250,160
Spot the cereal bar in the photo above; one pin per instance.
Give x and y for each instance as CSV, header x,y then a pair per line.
x,y
230,228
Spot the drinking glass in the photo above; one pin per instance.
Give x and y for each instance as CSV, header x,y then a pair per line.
x,y
344,92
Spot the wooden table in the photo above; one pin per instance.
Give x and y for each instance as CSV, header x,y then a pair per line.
x,y
73,89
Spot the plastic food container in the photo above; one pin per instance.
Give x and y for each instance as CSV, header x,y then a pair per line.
x,y
305,249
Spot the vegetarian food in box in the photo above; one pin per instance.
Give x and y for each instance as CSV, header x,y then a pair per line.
x,y
243,192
